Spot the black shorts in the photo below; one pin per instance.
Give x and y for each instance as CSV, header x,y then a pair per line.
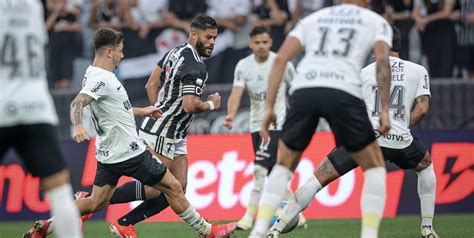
x,y
346,114
37,145
407,158
143,168
266,155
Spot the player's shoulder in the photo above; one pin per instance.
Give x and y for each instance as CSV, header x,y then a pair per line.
x,y
414,66
369,69
95,74
246,61
192,60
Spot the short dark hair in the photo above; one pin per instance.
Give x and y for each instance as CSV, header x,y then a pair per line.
x,y
203,22
396,40
107,37
259,30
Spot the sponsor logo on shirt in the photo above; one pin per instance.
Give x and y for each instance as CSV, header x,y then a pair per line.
x,y
98,86
104,153
393,137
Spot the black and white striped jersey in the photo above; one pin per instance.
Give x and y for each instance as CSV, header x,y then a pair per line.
x,y
183,73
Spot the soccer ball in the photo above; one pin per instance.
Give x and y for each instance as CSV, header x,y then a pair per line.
x,y
291,225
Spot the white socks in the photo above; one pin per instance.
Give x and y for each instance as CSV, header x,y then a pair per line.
x,y
298,202
427,194
373,201
196,221
271,198
67,222
259,174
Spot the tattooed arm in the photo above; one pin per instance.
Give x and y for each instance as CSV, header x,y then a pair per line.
x,y
81,100
420,108
384,77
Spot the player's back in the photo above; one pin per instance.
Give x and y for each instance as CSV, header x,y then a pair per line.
x,y
409,80
337,42
24,95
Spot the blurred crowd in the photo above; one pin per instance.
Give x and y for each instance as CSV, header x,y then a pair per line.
x,y
436,33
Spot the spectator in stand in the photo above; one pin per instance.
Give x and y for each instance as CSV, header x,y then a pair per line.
x,y
148,17
398,13
302,8
232,41
438,36
65,44
105,13
465,16
274,14
181,12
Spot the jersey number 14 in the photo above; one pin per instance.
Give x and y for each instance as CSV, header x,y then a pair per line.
x,y
395,102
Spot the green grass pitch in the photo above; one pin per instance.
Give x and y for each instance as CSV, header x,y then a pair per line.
x,y
447,226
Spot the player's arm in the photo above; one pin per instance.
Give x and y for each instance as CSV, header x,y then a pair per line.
x,y
420,108
290,48
193,103
233,104
384,76
150,111
80,134
152,87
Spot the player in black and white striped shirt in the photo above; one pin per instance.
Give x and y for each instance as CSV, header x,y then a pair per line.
x,y
175,86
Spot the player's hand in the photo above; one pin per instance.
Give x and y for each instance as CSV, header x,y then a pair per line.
x,y
216,99
269,119
384,126
152,111
228,122
80,134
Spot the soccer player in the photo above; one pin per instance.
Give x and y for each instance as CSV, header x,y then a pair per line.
x,y
252,73
409,103
337,41
119,150
27,114
175,87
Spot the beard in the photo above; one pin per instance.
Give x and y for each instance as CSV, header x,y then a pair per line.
x,y
201,49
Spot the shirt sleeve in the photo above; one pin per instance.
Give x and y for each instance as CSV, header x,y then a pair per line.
x,y
239,78
424,83
298,32
383,31
160,63
194,79
95,87
289,73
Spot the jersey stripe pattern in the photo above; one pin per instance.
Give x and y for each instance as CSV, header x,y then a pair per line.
x,y
183,73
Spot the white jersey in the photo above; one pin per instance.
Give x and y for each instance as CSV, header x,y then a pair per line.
x,y
409,80
253,75
337,42
24,94
112,114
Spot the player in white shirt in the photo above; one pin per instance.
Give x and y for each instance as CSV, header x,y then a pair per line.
x,y
119,150
27,114
251,73
409,103
337,40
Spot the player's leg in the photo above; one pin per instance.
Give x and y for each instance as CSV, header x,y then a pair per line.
x,y
300,124
416,157
152,172
427,194
348,118
336,164
39,148
262,164
154,205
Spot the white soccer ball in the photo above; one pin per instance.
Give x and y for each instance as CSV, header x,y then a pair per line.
x,y
291,225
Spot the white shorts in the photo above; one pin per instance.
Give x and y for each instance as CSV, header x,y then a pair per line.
x,y
169,148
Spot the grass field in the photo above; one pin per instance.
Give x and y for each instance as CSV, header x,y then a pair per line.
x,y
447,226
